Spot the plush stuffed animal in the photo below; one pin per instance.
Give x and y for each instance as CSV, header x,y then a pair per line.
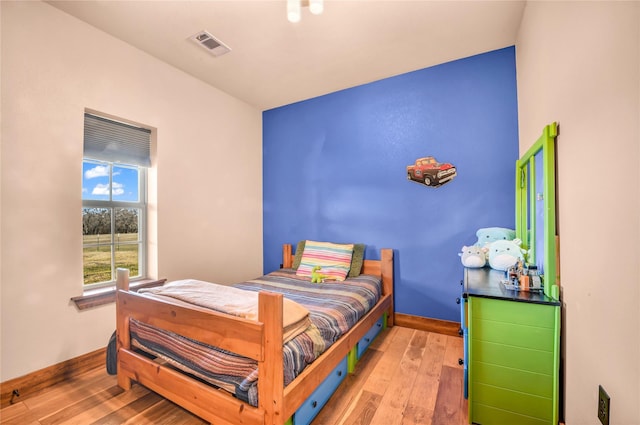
x,y
316,276
488,235
473,256
504,254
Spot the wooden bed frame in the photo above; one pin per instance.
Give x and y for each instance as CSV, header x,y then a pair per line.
x,y
260,340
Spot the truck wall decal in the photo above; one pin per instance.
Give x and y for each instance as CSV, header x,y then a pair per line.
x,y
430,172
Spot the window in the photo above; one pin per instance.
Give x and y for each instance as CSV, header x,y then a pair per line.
x,y
116,156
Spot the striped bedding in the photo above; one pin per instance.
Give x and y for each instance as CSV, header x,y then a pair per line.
x,y
334,308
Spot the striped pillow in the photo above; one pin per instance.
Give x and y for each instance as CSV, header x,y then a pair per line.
x,y
335,259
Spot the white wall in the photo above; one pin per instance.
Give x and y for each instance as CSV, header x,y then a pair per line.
x,y
209,177
578,64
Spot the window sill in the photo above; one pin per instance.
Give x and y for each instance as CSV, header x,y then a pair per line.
x,y
103,296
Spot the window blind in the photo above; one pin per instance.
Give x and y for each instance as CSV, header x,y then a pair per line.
x,y
112,141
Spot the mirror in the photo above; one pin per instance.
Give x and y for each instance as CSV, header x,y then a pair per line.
x,y
536,207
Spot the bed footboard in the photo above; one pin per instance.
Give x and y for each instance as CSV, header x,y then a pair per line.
x,y
261,341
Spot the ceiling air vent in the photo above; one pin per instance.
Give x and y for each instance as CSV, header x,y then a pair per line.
x,y
210,43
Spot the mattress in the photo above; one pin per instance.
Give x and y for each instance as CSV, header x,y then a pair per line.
x,y
334,308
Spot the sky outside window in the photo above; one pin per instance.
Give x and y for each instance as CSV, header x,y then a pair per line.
x,y
95,182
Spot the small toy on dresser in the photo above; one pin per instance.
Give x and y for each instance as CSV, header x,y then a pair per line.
x,y
504,254
488,235
521,277
473,256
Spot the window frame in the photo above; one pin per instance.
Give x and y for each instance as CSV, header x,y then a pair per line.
x,y
112,205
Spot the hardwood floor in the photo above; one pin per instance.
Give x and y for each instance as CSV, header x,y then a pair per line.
x,y
406,377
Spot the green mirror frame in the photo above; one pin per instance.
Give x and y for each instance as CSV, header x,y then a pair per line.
x,y
536,207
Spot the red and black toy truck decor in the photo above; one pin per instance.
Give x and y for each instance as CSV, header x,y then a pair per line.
x,y
431,172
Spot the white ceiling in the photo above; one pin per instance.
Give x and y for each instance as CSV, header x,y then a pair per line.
x,y
274,62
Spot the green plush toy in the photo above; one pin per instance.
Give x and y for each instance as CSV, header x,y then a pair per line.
x,y
316,276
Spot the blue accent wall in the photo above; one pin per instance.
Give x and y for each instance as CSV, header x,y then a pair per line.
x,y
334,169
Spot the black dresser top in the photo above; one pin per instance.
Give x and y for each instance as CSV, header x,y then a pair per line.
x,y
485,282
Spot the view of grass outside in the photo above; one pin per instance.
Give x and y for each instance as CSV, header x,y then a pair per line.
x,y
100,244
97,259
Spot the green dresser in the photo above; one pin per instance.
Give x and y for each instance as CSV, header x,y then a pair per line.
x,y
513,352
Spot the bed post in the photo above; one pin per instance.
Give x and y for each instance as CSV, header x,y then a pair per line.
x,y
386,270
287,261
122,325
270,368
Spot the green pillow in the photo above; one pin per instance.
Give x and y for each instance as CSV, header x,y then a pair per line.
x,y
357,259
298,255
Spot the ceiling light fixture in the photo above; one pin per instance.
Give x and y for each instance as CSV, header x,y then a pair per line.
x,y
294,8
316,6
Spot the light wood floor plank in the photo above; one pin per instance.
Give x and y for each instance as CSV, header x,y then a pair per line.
x,y
65,394
422,400
17,414
347,393
389,363
121,415
96,406
383,342
454,352
165,413
448,404
363,410
74,411
397,393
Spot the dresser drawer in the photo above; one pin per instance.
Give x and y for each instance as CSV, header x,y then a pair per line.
x,y
512,357
366,340
310,408
526,382
515,402
489,415
512,312
525,336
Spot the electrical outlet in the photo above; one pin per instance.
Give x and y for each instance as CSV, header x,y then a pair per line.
x,y
603,405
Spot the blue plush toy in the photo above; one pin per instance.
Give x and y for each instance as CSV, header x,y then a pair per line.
x,y
473,256
504,254
489,235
